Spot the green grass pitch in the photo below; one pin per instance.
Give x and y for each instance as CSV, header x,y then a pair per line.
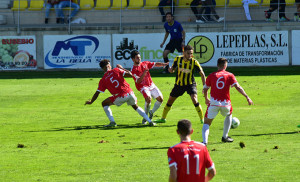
x,y
47,134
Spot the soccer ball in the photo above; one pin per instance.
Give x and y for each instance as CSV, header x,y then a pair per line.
x,y
235,123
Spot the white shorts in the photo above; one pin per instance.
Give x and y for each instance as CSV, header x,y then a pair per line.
x,y
151,91
130,98
212,111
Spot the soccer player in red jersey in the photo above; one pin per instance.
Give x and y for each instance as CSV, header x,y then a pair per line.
x,y
113,80
144,83
189,159
220,83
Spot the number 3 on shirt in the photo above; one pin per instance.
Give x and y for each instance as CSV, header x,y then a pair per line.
x,y
188,163
220,84
112,81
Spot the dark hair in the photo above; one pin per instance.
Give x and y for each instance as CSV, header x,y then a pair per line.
x,y
134,53
184,127
169,13
188,48
103,63
221,61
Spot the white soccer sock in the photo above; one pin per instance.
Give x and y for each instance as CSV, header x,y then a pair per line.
x,y
108,113
227,125
143,114
147,107
205,133
156,106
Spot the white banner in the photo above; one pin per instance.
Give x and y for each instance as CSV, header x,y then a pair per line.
x,y
17,53
76,51
295,47
241,48
147,44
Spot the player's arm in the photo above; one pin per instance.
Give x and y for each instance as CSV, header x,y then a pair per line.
x,y
95,96
242,91
211,173
165,38
202,74
127,72
183,38
205,92
158,64
173,174
140,79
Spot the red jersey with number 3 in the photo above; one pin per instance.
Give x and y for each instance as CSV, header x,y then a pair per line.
x,y
220,83
137,72
113,80
190,159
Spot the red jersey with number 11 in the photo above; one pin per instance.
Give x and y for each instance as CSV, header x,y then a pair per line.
x,y
220,83
190,159
113,80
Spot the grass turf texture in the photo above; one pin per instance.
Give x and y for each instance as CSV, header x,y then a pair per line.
x,y
60,139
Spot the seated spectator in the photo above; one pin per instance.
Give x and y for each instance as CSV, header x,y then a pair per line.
x,y
205,4
297,14
163,3
273,7
67,3
207,12
48,6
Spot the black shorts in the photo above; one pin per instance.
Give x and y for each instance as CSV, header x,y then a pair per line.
x,y
179,90
297,1
174,44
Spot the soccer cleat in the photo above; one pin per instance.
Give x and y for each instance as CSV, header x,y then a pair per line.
x,y
111,124
144,121
199,21
283,19
152,124
162,120
150,115
228,139
220,19
201,121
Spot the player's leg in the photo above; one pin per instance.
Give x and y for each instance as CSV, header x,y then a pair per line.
x,y
210,114
227,112
155,93
147,95
105,104
192,91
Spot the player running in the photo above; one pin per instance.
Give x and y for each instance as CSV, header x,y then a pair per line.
x,y
144,83
220,83
189,159
113,80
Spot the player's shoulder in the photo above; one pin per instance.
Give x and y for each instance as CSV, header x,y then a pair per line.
x,y
176,145
176,22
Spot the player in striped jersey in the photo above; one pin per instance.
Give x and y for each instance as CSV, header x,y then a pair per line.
x,y
185,65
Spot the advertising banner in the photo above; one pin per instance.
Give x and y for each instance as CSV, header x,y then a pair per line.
x,y
76,51
295,47
241,48
17,53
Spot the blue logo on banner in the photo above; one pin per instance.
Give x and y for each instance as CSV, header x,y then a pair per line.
x,y
76,46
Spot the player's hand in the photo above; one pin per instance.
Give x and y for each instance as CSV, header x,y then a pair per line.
x,y
170,70
146,69
161,45
207,102
88,102
250,102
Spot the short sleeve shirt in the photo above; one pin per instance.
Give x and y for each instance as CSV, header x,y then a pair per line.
x,y
114,82
137,72
174,30
191,159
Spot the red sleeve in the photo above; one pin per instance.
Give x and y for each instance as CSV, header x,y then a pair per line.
x,y
208,162
150,65
102,85
171,157
232,79
134,76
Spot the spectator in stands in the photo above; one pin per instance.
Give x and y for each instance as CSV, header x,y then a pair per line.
x,y
207,12
48,6
67,3
273,7
297,14
164,3
205,4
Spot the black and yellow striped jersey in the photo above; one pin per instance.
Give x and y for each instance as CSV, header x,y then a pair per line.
x,y
185,70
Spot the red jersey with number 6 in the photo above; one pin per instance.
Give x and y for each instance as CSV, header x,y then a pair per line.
x,y
137,72
113,80
220,83
190,159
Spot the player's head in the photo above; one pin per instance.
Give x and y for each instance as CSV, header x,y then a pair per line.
x,y
135,56
188,52
222,63
169,17
184,127
105,64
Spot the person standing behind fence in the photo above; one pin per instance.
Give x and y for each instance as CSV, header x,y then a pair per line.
x,y
164,3
67,3
51,4
273,6
205,4
207,12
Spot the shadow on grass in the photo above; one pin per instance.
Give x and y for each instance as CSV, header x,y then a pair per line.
x,y
264,134
149,148
100,127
